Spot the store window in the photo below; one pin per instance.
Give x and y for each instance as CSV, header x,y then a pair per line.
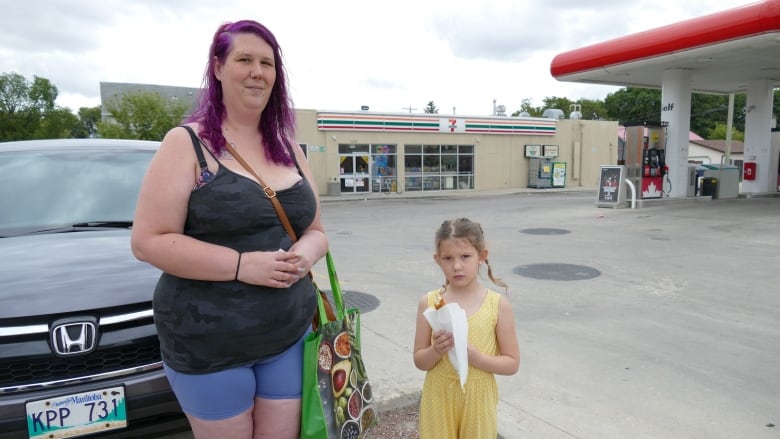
x,y
384,169
413,167
367,168
466,167
438,167
353,168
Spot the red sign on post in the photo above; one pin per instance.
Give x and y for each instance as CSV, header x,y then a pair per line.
x,y
749,171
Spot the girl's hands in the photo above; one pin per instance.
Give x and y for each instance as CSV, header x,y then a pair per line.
x,y
443,341
277,269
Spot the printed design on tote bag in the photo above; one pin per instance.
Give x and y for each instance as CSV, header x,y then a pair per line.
x,y
342,375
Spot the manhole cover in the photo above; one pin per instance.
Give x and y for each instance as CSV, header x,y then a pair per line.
x,y
356,299
545,231
557,271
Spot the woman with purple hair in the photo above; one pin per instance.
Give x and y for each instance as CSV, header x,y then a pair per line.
x,y
234,301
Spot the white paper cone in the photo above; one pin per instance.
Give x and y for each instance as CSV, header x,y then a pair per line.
x,y
452,318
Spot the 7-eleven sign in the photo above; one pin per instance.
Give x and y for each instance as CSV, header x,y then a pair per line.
x,y
452,125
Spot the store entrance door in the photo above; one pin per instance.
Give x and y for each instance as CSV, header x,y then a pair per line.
x,y
354,174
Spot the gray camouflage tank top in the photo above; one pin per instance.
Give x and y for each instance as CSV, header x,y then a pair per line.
x,y
207,326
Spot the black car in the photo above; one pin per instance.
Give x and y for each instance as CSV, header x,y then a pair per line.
x,y
79,352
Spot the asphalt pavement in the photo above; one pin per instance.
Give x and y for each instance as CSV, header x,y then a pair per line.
x,y
655,322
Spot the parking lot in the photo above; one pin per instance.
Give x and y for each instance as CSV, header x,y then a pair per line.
x,y
657,322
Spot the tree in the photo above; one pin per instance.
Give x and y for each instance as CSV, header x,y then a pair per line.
x,y
431,108
28,110
720,130
89,117
526,106
141,115
18,114
776,106
592,110
556,102
707,110
13,93
633,104
58,123
42,94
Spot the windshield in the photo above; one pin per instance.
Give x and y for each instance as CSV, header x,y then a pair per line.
x,y
42,190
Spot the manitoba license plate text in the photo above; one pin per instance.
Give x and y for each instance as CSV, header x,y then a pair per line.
x,y
77,414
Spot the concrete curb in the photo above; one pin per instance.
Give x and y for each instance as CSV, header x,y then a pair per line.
x,y
397,402
387,196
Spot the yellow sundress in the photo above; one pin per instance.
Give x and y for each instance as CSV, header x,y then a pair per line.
x,y
447,411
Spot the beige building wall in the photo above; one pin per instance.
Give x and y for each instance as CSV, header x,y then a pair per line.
x,y
585,145
307,135
499,158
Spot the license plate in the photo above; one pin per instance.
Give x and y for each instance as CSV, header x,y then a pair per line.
x,y
77,414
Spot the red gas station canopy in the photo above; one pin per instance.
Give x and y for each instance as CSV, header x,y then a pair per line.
x,y
723,51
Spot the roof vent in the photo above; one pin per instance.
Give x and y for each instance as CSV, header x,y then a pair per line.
x,y
553,113
574,111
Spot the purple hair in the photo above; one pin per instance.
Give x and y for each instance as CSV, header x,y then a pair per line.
x,y
277,123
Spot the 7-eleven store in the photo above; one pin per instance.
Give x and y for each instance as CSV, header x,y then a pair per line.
x,y
354,153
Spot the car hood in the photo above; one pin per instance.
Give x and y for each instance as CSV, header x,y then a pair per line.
x,y
73,271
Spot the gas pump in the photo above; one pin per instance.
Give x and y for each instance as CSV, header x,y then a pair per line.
x,y
653,172
645,157
653,163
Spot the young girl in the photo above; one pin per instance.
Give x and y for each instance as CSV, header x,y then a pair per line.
x,y
447,411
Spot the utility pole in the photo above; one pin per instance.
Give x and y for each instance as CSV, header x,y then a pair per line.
x,y
409,108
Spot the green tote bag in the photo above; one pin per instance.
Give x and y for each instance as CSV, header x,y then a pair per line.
x,y
337,399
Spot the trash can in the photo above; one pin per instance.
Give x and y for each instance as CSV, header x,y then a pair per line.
x,y
728,180
709,187
334,188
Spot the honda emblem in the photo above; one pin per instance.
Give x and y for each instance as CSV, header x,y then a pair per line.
x,y
73,338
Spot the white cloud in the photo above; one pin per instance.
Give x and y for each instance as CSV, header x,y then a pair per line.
x,y
340,54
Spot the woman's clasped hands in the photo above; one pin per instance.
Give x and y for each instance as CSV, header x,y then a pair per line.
x,y
276,269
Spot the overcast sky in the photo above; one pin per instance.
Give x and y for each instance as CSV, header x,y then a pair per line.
x,y
340,55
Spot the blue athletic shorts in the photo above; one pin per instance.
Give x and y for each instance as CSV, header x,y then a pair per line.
x,y
227,393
